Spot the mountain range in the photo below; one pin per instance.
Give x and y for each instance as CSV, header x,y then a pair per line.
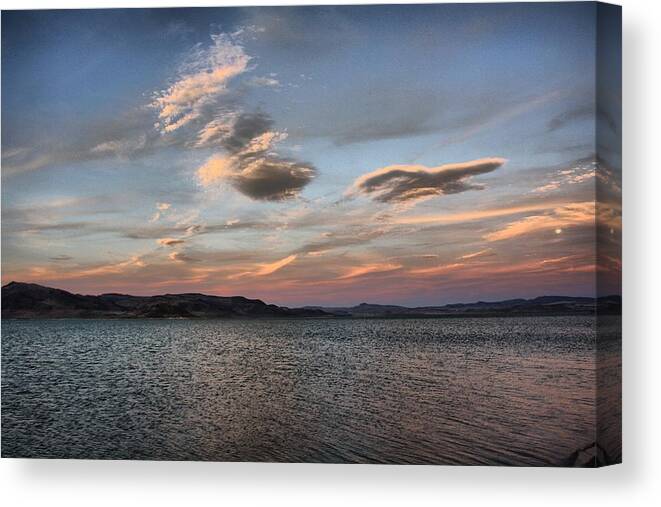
x,y
30,301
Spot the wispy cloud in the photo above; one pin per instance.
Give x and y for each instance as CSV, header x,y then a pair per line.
x,y
471,216
121,147
582,171
161,209
266,268
579,112
437,270
366,269
581,213
170,241
202,80
181,257
267,81
128,135
41,273
60,258
474,255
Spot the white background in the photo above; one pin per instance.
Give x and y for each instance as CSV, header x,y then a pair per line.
x,y
636,482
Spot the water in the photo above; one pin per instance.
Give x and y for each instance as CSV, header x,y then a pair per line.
x,y
511,391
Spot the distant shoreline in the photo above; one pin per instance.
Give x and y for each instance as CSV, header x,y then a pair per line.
x,y
329,317
24,301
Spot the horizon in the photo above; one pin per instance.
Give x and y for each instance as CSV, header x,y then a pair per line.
x,y
313,304
297,154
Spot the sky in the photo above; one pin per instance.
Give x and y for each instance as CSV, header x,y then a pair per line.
x,y
412,155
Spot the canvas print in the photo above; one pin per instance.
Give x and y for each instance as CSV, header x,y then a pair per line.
x,y
385,234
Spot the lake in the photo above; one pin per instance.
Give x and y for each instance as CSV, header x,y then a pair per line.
x,y
497,391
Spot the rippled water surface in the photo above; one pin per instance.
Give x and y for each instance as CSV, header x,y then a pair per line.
x,y
515,391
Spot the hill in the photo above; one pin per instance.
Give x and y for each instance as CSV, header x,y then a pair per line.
x,y
28,300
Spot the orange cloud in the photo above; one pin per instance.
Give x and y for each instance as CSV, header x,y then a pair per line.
x,y
565,216
369,268
215,169
469,216
437,270
180,257
170,241
473,255
488,272
41,274
266,269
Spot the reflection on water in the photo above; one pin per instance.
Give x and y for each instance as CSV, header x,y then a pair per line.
x,y
512,391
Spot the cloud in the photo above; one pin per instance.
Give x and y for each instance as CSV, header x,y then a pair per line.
x,y
395,109
410,183
112,268
181,257
121,147
199,99
170,241
60,258
378,267
161,208
351,236
237,131
216,130
246,127
474,255
359,116
265,81
583,170
265,178
252,167
581,112
437,270
549,187
197,108
470,216
580,213
304,33
201,82
129,135
272,178
267,268
190,230
215,169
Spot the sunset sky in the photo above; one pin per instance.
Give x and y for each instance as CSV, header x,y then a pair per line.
x,y
396,154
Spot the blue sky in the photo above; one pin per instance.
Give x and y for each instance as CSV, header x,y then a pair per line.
x,y
400,154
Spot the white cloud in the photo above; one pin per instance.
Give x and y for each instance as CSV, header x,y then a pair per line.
x,y
200,82
582,172
268,82
161,208
121,147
